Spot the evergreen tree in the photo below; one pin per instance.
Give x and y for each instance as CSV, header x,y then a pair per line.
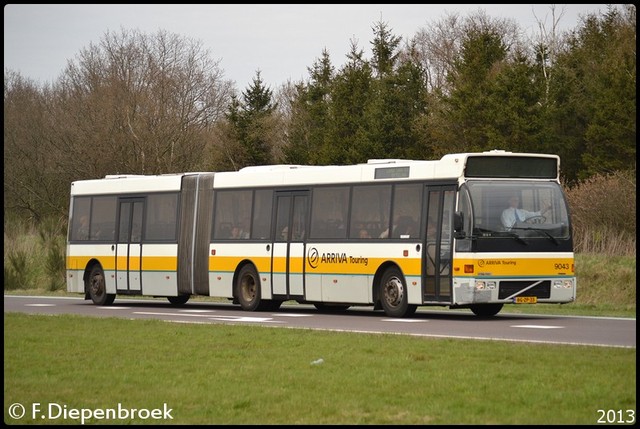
x,y
515,109
252,125
398,99
258,98
595,96
309,121
385,49
470,107
347,141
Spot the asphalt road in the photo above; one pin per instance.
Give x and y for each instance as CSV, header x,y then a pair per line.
x,y
427,322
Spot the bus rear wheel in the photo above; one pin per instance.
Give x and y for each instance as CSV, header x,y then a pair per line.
x,y
97,287
178,300
248,288
331,308
266,305
393,294
486,310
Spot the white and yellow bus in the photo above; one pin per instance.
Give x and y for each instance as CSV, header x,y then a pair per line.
x,y
471,230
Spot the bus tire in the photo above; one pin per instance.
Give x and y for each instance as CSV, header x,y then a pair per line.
x,y
179,300
331,308
97,287
272,305
486,310
247,288
393,294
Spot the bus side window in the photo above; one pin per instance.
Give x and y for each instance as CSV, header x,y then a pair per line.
x,y
261,223
370,209
80,218
407,207
329,210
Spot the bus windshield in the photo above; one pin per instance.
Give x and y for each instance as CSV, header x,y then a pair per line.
x,y
519,208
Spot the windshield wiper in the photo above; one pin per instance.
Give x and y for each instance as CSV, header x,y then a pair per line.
x,y
551,237
515,237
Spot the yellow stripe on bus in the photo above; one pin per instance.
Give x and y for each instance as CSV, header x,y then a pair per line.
x,y
348,265
230,263
513,267
149,263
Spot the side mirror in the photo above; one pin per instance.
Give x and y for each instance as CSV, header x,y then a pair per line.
x,y
458,221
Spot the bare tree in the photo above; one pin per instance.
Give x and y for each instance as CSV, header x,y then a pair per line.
x,y
546,44
32,185
133,103
140,103
438,45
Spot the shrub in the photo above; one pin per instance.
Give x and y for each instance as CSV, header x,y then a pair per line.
x,y
16,270
603,212
51,234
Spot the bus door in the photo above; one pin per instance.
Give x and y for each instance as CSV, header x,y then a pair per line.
x,y
287,260
129,245
440,209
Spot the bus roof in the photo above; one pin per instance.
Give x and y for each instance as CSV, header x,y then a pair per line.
x,y
449,167
123,183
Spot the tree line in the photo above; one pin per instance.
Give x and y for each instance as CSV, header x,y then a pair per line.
x,y
159,103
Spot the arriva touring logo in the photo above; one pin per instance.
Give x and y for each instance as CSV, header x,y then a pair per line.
x,y
315,258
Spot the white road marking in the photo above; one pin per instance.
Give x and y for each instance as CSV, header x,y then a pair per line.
x,y
218,318
404,320
153,313
244,319
292,315
39,305
537,326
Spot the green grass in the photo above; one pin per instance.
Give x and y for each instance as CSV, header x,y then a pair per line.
x,y
220,374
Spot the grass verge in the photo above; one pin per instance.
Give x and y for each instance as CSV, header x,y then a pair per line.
x,y
219,374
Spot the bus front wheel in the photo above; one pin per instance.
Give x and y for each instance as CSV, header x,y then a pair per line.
x,y
98,288
486,310
248,288
393,294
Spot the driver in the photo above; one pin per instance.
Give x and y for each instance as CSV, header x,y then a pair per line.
x,y
513,214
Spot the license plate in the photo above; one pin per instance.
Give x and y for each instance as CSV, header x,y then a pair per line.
x,y
526,299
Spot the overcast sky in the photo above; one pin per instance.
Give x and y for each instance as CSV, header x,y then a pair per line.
x,y
282,41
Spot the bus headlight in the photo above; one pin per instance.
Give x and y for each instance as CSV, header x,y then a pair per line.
x,y
563,284
485,284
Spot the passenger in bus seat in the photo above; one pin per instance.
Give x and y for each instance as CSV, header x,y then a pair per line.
x,y
431,230
83,229
403,227
406,228
364,233
96,234
237,232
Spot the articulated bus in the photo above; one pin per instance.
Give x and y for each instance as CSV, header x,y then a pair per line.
x,y
470,230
